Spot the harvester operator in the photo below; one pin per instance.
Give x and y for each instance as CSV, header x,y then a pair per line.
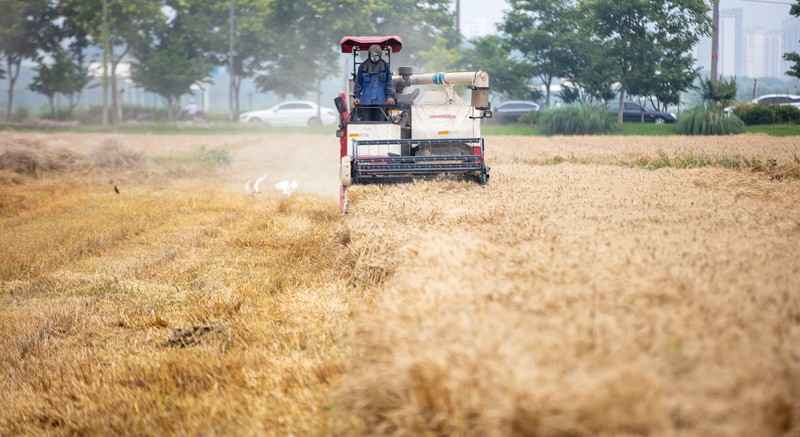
x,y
373,85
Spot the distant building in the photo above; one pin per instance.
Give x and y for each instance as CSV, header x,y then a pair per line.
x,y
753,52
773,57
790,39
730,61
762,53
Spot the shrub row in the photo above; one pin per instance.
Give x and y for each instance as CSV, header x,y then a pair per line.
x,y
701,121
576,120
752,114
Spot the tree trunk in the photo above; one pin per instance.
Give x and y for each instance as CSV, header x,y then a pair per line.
x,y
641,111
170,110
548,81
621,103
104,41
116,102
319,100
73,102
114,96
237,82
12,79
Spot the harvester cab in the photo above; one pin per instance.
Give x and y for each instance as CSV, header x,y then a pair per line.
x,y
438,136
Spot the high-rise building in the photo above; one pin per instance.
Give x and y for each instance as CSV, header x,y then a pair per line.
x,y
790,42
762,53
773,57
731,59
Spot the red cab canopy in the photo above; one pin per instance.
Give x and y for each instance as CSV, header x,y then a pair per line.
x,y
363,43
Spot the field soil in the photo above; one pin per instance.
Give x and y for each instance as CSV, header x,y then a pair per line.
x,y
597,286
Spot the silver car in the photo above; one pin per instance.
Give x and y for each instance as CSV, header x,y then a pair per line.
x,y
291,113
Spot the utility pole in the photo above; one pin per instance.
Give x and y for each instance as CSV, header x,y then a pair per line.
x,y
715,43
458,17
231,54
104,38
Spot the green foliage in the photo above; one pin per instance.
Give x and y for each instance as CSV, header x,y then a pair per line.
x,y
63,75
439,57
544,32
510,77
25,28
21,113
215,157
529,118
570,94
738,162
168,58
576,120
786,114
741,109
643,39
758,114
644,129
719,95
702,121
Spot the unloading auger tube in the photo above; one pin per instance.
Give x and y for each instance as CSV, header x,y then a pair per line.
x,y
426,136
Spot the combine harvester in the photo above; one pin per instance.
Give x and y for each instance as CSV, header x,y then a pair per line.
x,y
437,137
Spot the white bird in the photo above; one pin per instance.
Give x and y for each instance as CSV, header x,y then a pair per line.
x,y
252,188
286,187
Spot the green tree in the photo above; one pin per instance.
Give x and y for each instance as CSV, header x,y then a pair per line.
x,y
25,28
76,42
719,95
420,24
544,32
676,74
253,43
127,19
794,69
440,57
307,34
637,33
508,75
207,24
62,75
168,60
591,77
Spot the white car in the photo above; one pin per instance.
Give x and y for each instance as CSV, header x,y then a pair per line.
x,y
778,99
291,113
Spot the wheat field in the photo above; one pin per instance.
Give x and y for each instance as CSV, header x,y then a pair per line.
x,y
585,291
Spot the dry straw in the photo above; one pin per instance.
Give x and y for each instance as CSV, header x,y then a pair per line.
x,y
579,293
582,298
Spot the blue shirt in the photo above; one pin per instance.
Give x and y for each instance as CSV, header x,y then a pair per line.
x,y
374,89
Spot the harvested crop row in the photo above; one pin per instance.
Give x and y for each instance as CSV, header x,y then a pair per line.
x,y
579,299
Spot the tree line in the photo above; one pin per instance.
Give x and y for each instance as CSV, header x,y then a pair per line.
x,y
600,48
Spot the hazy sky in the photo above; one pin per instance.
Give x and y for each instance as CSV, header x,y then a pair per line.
x,y
768,14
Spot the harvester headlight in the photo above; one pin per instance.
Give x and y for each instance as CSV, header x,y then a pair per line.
x,y
339,133
487,114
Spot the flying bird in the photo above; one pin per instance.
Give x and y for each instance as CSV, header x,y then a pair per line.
x,y
252,188
286,187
